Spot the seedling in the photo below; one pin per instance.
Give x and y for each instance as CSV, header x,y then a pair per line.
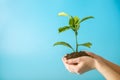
x,y
73,24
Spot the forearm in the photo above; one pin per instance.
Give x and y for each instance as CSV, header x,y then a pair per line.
x,y
113,66
107,71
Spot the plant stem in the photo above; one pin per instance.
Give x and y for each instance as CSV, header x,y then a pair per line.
x,y
76,33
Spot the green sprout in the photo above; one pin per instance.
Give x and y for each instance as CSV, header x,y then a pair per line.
x,y
74,25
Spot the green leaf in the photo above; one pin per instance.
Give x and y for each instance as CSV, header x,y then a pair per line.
x,y
76,20
86,18
88,44
62,14
64,44
62,29
76,23
71,21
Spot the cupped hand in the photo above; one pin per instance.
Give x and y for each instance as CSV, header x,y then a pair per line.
x,y
81,64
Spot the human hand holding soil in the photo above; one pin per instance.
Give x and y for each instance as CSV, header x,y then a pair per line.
x,y
83,64
79,65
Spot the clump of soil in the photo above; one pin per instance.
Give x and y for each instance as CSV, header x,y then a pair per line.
x,y
76,54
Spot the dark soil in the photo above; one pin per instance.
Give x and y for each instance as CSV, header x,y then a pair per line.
x,y
76,54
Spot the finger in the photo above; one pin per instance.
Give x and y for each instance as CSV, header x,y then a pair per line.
x,y
64,61
72,61
81,68
65,64
76,69
69,67
72,68
91,54
64,58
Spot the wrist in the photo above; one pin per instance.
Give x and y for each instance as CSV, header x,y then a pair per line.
x,y
98,63
94,64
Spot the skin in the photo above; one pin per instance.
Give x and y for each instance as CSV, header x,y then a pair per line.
x,y
83,64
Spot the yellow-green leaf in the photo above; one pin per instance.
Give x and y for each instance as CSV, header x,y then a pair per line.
x,y
76,20
62,29
64,44
86,18
76,23
71,21
62,14
88,44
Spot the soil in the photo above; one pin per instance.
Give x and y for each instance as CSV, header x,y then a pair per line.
x,y
76,54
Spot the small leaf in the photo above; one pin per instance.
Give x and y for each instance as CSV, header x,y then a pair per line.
x,y
71,21
76,23
88,44
64,44
76,20
62,14
86,18
62,29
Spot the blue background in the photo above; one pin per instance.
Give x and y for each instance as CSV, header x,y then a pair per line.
x,y
28,29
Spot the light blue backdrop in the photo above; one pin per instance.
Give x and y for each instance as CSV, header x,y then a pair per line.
x,y
28,29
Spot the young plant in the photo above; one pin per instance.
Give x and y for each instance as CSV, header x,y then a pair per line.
x,y
74,25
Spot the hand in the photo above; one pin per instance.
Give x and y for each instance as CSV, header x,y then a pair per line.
x,y
83,64
79,65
